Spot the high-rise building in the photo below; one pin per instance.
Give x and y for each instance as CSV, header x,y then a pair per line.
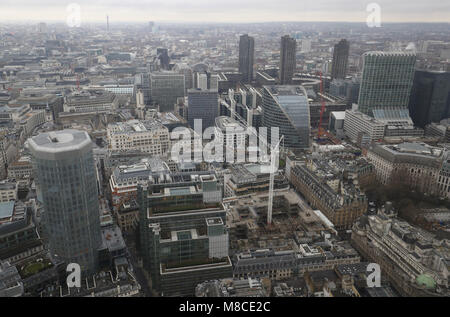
x,y
204,105
386,81
184,240
163,55
430,97
67,186
246,57
165,89
287,108
340,60
287,59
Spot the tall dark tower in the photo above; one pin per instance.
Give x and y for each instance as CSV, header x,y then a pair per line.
x,y
246,57
163,55
287,59
107,23
340,59
430,97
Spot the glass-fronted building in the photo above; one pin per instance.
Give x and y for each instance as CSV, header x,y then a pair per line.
x,y
430,97
387,80
287,108
67,185
183,236
165,89
204,105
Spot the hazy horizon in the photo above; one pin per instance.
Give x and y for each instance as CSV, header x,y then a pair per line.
x,y
231,11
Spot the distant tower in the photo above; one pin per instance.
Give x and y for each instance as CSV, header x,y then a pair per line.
x,y
107,23
246,57
287,59
67,186
340,60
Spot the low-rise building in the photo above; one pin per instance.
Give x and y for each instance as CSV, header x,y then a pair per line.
x,y
147,136
331,184
415,165
251,178
21,169
356,122
8,191
10,281
87,101
415,261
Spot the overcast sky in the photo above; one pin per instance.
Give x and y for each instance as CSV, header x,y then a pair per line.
x,y
226,10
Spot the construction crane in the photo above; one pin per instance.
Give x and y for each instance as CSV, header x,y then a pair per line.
x,y
273,168
274,151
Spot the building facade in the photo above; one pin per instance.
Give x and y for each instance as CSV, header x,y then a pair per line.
x,y
430,97
340,60
67,186
288,61
246,57
287,108
386,82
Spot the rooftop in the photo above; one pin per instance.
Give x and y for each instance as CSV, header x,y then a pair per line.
x,y
60,141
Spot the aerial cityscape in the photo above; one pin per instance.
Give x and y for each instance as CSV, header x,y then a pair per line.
x,y
192,150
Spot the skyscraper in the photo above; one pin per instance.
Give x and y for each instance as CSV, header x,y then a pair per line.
x,y
246,57
287,59
386,82
340,60
430,97
67,186
163,55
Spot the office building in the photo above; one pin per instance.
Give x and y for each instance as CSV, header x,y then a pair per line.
x,y
165,89
233,136
252,178
340,60
357,122
287,59
331,183
67,187
415,165
246,57
163,56
287,108
386,82
430,97
8,191
88,101
19,238
204,105
146,136
184,240
124,180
